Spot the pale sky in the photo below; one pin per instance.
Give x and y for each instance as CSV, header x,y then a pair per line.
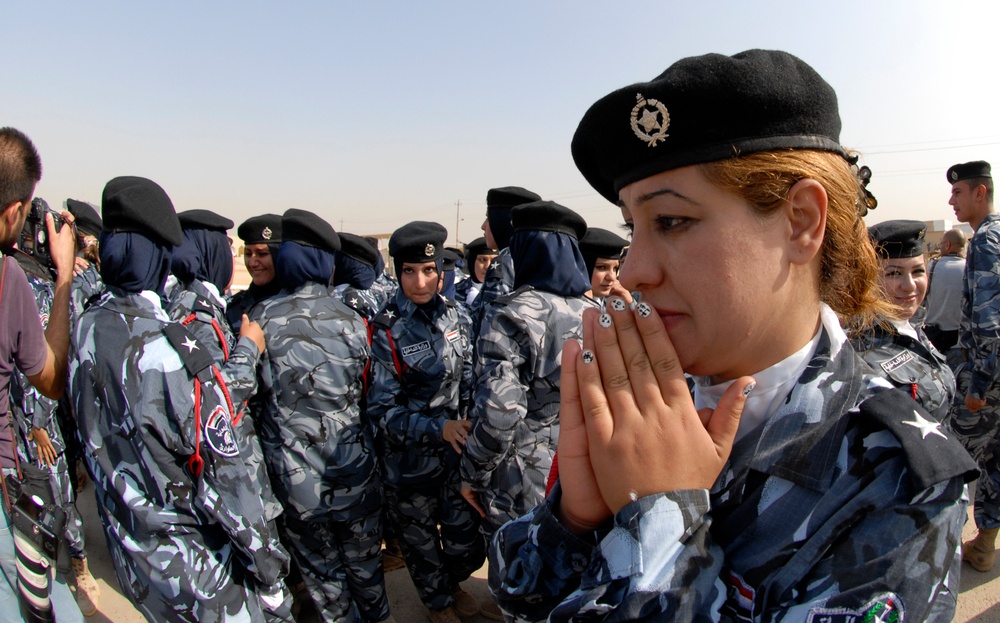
x,y
376,114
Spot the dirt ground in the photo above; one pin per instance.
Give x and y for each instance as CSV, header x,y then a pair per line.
x,y
979,600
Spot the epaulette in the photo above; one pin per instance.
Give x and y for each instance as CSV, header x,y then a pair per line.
x,y
201,306
932,453
196,358
387,317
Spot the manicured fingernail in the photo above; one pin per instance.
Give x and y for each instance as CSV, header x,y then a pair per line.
x,y
636,296
633,495
617,304
604,320
749,388
588,356
644,309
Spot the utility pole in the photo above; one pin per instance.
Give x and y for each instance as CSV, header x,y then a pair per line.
x,y
458,208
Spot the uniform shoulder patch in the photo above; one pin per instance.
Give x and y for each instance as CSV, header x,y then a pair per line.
x,y
387,317
219,433
416,349
887,608
932,453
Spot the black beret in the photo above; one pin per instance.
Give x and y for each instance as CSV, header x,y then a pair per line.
x,y
417,242
136,204
898,239
263,229
508,197
87,220
478,247
306,228
359,248
602,243
968,171
548,216
204,219
449,258
703,109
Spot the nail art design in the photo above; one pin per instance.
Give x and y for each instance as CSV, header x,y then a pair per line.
x,y
644,309
604,320
588,356
748,389
617,304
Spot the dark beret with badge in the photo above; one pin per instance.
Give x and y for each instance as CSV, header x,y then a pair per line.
x,y
308,229
478,247
702,109
140,205
600,243
204,219
969,171
417,242
85,216
449,258
548,216
263,229
358,248
898,239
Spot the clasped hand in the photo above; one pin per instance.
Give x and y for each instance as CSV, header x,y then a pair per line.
x,y
628,425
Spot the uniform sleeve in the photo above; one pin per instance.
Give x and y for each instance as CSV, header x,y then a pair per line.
x,y
399,420
500,400
983,306
240,372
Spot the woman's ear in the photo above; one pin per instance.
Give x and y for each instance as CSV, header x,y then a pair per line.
x,y
806,206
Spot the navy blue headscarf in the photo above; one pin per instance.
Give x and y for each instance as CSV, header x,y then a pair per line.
x,y
133,262
353,272
205,256
549,261
448,285
298,264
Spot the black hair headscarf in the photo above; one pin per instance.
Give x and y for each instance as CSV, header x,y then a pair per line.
x,y
549,261
296,265
132,262
353,272
206,255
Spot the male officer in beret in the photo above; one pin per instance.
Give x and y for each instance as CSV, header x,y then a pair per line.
x,y
181,511
946,280
975,417
319,452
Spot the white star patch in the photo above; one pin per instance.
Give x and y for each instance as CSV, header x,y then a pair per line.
x,y
390,313
926,427
354,302
190,344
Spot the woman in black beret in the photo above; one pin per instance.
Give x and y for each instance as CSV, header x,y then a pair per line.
x,y
897,347
477,259
602,253
788,482
261,236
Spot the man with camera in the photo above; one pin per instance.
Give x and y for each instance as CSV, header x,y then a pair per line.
x,y
40,354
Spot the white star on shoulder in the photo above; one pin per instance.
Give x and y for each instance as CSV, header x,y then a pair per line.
x,y
926,427
354,302
190,344
390,314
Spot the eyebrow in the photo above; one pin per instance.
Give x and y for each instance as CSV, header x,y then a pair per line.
x,y
659,193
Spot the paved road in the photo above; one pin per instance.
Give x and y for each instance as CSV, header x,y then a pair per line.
x,y
979,601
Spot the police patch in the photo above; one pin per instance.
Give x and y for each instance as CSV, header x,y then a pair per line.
x,y
452,335
416,349
885,608
901,359
219,433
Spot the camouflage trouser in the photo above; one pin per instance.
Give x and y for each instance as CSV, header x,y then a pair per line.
x,y
979,432
62,485
341,564
439,534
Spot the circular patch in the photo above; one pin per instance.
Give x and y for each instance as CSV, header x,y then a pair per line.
x,y
219,433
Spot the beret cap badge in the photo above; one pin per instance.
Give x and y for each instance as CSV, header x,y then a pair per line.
x,y
652,125
954,176
429,250
266,234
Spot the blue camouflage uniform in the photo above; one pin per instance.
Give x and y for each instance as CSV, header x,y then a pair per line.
x,y
200,307
421,378
187,544
911,364
319,452
366,302
498,283
979,375
847,504
516,404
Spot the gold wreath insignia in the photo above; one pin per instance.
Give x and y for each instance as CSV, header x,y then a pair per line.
x,y
649,120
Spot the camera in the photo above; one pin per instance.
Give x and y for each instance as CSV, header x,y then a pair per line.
x,y
34,237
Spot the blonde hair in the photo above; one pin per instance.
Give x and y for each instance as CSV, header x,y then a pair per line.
x,y
848,279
